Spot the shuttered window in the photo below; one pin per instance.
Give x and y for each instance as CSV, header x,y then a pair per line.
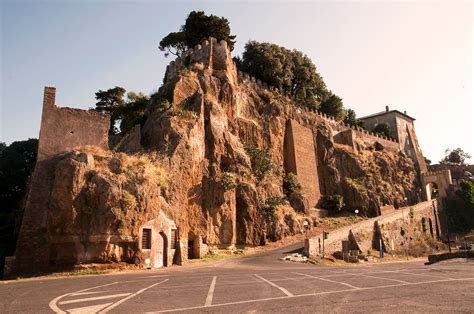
x,y
146,239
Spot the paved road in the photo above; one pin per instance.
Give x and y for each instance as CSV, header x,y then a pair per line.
x,y
254,283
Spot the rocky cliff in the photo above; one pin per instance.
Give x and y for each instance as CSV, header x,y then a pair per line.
x,y
211,157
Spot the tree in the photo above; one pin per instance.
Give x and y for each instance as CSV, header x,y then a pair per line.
x,y
455,156
110,101
382,129
334,107
292,72
133,111
197,27
351,119
16,164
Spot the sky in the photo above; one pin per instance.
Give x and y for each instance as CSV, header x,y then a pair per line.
x,y
413,56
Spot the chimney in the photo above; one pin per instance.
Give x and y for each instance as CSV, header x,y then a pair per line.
x,y
386,108
405,112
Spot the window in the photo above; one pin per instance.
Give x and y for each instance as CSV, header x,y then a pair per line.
x,y
174,238
146,239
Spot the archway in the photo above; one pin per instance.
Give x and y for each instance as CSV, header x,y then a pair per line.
x,y
432,191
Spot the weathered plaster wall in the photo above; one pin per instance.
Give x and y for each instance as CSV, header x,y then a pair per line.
x,y
63,129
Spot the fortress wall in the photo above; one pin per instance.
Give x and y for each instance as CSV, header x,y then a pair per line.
x,y
63,129
300,158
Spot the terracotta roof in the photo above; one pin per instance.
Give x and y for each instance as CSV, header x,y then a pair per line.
x,y
387,112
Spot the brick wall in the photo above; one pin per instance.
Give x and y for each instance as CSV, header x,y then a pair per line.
x,y
300,159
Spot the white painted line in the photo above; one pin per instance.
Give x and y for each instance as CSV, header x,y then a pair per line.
x,y
88,309
383,278
275,285
431,276
130,296
210,294
329,280
310,295
53,304
84,293
95,298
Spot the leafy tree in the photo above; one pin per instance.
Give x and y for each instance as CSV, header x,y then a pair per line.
x,y
173,43
133,111
110,101
427,161
351,118
334,107
292,72
2,147
455,156
16,164
261,162
291,184
198,27
382,129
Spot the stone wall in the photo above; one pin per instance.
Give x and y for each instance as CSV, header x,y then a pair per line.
x,y
300,159
63,129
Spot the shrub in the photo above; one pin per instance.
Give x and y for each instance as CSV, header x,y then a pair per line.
x,y
270,205
261,162
291,184
333,202
423,224
228,181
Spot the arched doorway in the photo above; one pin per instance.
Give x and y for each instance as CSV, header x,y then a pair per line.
x,y
432,191
160,251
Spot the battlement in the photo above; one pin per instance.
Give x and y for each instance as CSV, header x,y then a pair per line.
x,y
436,173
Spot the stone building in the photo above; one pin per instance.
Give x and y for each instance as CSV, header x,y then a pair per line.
x,y
401,128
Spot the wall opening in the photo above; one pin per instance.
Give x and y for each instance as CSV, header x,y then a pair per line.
x,y
190,249
146,239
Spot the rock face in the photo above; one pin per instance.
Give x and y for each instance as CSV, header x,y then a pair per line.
x,y
220,139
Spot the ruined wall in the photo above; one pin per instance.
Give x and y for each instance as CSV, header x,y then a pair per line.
x,y
441,178
300,159
63,129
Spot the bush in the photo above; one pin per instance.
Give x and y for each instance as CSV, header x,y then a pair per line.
x,y
261,162
291,184
270,205
228,181
334,203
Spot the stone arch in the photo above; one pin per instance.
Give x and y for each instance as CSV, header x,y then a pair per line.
x,y
441,179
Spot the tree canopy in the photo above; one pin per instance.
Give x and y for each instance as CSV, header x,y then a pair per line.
x,y
290,71
351,118
334,107
455,156
109,101
16,164
197,27
382,129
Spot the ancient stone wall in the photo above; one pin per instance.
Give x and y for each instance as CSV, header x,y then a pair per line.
x,y
300,159
63,129
441,178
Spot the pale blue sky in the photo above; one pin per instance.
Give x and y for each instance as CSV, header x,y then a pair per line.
x,y
413,56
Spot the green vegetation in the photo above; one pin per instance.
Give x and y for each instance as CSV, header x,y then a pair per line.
x,y
17,161
197,27
123,112
291,184
456,156
261,162
333,106
270,205
351,119
290,71
460,211
333,203
423,224
382,129
228,181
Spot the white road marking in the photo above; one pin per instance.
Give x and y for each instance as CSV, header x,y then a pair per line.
x,y
329,280
275,285
114,305
311,294
88,309
84,293
431,276
53,304
95,298
210,294
383,278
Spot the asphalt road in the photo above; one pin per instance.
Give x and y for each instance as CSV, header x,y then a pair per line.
x,y
259,283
